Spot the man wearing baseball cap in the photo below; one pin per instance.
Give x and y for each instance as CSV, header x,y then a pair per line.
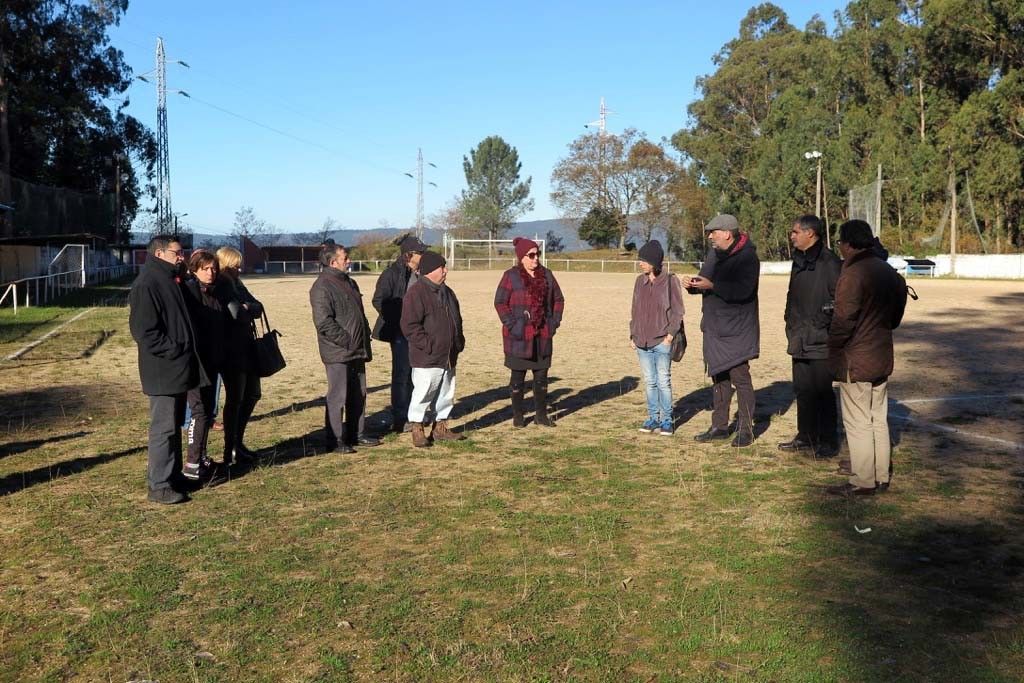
x,y
432,322
387,300
728,283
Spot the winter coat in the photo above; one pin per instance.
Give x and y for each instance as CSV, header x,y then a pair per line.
x,y
662,302
387,300
210,323
812,290
242,310
870,300
161,327
432,322
732,330
342,331
511,301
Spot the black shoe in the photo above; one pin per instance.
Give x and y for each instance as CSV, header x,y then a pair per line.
x,y
711,435
881,486
826,451
742,440
849,490
797,443
344,449
242,455
166,496
368,441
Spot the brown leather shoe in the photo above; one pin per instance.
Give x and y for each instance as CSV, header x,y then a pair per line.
x,y
419,438
849,490
443,433
845,467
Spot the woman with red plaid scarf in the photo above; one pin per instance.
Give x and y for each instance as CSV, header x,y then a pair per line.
x,y
529,303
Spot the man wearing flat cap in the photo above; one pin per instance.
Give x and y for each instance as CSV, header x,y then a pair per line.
x,y
728,283
387,300
432,322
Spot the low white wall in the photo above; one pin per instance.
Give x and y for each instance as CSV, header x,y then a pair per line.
x,y
776,267
981,265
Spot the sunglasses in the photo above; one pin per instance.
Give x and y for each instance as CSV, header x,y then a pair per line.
x,y
532,254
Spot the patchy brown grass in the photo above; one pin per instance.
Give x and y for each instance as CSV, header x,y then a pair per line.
x,y
588,552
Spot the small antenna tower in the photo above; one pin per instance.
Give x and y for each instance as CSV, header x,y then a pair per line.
x,y
602,120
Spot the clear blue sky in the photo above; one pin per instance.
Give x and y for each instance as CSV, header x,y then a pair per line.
x,y
365,84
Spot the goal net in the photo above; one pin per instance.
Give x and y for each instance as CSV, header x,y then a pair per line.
x,y
864,205
481,254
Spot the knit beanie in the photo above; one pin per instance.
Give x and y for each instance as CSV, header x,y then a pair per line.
x,y
523,246
430,261
652,253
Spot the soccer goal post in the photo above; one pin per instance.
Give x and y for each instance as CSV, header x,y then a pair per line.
x,y
467,254
865,203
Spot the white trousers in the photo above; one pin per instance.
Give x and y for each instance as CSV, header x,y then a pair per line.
x,y
433,391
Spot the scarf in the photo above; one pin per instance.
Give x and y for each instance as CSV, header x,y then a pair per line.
x,y
537,291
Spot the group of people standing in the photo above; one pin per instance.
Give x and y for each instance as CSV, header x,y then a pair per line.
x,y
192,324
839,320
420,318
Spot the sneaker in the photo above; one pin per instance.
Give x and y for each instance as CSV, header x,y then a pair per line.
x,y
192,470
649,426
666,428
166,496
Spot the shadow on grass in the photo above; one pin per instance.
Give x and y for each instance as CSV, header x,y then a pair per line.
x,y
21,446
19,481
49,407
774,399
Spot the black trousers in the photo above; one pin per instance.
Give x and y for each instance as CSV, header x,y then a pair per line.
x,y
518,380
738,377
816,414
241,393
344,416
165,416
401,381
200,404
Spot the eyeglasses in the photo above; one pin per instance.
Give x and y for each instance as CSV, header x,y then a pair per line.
x,y
176,252
532,254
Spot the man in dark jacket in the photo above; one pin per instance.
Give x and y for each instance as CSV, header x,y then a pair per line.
x,y
870,300
168,362
432,322
343,337
728,282
812,289
387,299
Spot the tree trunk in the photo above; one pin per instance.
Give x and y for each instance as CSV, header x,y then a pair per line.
x,y
920,99
6,220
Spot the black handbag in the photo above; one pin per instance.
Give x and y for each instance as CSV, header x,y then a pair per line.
x,y
269,359
679,338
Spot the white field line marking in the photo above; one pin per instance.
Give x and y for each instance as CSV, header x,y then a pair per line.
x,y
944,399
25,349
959,432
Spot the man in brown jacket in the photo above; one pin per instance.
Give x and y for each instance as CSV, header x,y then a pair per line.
x,y
870,299
432,323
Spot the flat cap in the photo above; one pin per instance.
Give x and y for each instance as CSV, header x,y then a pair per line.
x,y
722,221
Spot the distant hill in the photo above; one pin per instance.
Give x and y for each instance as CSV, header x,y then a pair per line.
x,y
565,229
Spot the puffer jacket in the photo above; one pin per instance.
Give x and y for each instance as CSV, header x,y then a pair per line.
x,y
730,323
342,331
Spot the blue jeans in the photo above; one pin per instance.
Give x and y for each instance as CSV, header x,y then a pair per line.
x,y
656,364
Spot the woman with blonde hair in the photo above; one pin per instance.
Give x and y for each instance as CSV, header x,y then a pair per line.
x,y
241,380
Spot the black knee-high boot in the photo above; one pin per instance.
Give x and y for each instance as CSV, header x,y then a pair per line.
x,y
540,401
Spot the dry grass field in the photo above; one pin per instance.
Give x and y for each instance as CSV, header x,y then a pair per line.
x,y
590,552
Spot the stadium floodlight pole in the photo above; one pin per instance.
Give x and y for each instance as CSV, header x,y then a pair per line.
x,y
419,190
815,154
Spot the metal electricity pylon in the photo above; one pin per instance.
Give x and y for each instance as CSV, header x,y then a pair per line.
x,y
419,190
602,120
164,216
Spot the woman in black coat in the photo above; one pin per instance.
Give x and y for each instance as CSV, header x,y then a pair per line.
x,y
241,381
210,325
